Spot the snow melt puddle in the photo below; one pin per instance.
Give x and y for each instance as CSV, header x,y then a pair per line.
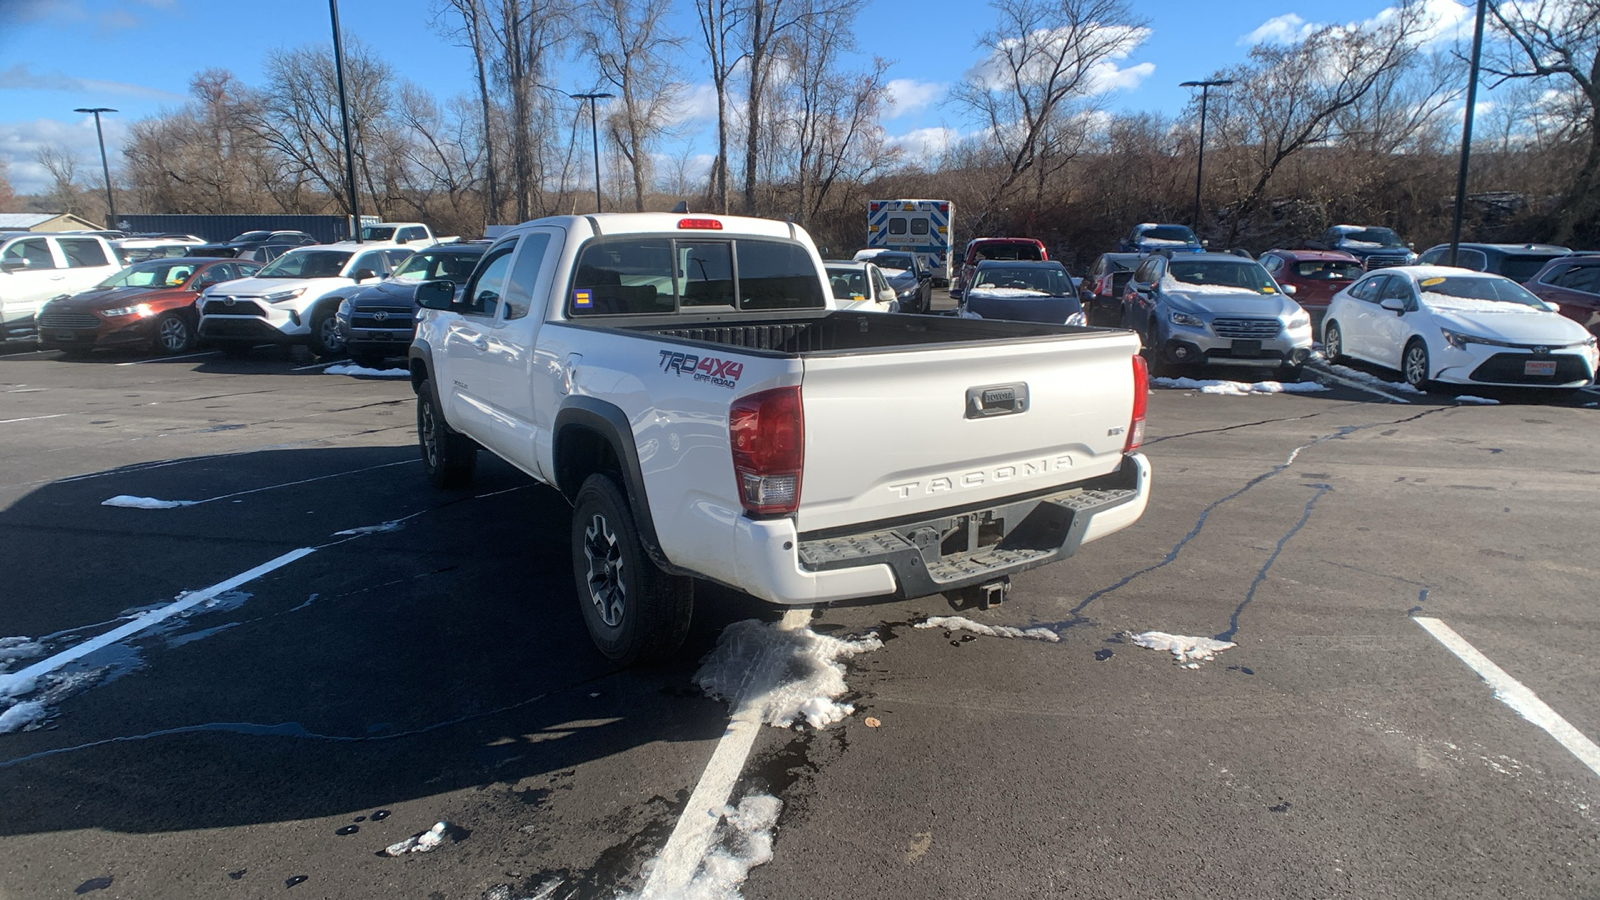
x,y
1188,651
365,372
1468,398
1239,388
26,703
127,501
959,623
793,674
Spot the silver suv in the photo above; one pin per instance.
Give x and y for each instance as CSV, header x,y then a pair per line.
x,y
1194,309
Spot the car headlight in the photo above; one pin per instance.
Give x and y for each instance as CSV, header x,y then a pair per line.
x,y
1301,319
345,308
1459,340
141,310
907,293
281,296
1182,318
1076,319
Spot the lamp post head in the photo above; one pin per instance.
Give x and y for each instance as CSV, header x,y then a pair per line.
x,y
94,109
591,96
1216,82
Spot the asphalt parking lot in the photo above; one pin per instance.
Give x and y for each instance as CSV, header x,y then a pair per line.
x,y
414,657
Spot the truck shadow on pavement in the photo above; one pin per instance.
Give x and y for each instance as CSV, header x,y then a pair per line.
x,y
434,647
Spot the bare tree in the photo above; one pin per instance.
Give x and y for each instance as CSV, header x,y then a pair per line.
x,y
1559,41
474,31
64,194
526,38
1043,57
631,46
720,20
8,195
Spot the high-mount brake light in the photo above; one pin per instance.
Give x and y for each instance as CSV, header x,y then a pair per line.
x,y
767,433
1141,399
704,224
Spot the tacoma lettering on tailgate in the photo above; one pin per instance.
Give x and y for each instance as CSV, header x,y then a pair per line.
x,y
905,490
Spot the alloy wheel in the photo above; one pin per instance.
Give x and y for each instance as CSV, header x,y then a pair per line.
x,y
607,590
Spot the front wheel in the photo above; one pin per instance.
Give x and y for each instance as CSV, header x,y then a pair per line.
x,y
634,611
448,458
1414,364
1332,343
326,341
173,334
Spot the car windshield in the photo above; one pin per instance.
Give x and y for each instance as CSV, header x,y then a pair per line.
x,y
1377,237
1329,270
1249,276
154,274
307,264
895,261
1177,233
377,233
848,284
1491,288
1045,280
251,236
433,266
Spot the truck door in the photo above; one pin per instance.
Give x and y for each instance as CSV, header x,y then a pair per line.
x,y
32,274
464,376
521,383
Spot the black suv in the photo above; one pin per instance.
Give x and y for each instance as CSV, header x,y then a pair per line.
x,y
378,322
1518,262
1101,289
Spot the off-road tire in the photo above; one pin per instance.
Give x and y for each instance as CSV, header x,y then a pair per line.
x,y
635,612
448,458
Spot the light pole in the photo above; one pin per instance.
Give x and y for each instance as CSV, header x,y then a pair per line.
x,y
594,131
344,119
1205,89
105,167
1466,132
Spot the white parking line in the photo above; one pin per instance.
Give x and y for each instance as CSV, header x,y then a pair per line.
x,y
140,362
33,418
691,838
320,365
1514,694
23,679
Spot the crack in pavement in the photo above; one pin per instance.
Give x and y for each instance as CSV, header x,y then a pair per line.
x,y
1173,437
1076,613
1305,516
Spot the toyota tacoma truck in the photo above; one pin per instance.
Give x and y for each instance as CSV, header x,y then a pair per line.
x,y
687,384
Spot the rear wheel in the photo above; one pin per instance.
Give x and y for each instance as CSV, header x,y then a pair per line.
x,y
449,458
1332,342
1414,364
634,611
173,334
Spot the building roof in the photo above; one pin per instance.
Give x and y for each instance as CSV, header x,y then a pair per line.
x,y
44,222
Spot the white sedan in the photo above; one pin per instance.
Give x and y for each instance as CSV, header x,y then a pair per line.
x,y
1436,323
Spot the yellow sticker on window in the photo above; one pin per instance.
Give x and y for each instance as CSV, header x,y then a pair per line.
x,y
1430,282
1267,290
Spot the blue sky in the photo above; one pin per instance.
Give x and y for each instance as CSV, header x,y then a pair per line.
x,y
138,55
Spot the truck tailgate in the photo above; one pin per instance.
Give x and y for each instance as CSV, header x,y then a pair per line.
x,y
901,433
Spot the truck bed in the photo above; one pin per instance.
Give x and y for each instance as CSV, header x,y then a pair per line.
x,y
847,331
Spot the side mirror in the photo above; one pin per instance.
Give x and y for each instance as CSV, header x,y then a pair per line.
x,y
1411,245
439,294
401,240
1205,243
361,275
1393,304
15,264
1288,289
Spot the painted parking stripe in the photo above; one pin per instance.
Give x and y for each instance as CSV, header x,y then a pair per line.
x,y
1358,385
145,620
691,838
1514,694
140,362
33,418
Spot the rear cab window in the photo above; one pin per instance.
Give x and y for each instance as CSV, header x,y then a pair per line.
x,y
637,275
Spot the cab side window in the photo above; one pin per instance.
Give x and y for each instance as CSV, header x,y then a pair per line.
x,y
82,253
1368,290
1149,271
36,251
525,275
1398,289
1578,278
485,290
373,261
413,234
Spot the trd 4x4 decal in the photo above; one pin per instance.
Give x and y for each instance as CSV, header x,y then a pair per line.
x,y
721,372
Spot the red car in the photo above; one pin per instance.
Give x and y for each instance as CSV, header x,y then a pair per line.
x,y
1315,275
1572,283
1007,248
148,304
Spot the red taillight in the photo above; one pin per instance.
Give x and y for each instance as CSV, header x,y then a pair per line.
x,y
767,430
706,224
1141,397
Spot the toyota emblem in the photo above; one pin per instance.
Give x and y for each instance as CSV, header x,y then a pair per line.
x,y
1541,351
380,315
228,300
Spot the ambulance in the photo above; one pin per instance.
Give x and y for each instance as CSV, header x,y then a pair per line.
x,y
917,226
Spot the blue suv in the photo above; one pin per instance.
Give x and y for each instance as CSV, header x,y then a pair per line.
x,y
1148,237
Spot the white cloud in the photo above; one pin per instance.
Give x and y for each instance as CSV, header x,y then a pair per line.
x,y
22,78
993,73
1105,77
20,141
1285,29
907,96
1443,21
924,143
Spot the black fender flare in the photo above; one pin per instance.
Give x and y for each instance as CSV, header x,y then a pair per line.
x,y
609,422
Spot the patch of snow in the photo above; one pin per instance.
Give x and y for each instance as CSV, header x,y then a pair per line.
x,y
1239,388
811,671
130,502
15,648
1453,304
22,717
15,686
1005,292
365,372
1375,381
959,623
1188,651
1163,242
742,841
964,313
1360,245
1468,398
418,843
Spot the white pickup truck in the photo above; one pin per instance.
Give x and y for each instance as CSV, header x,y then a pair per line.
x,y
686,383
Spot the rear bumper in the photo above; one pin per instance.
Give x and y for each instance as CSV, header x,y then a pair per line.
x,y
941,554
